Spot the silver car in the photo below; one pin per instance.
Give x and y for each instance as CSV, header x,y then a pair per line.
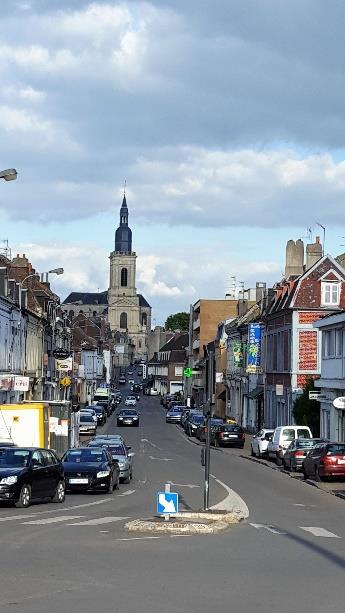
x,y
174,415
87,425
120,452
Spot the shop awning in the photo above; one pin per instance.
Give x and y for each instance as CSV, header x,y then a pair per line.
x,y
256,392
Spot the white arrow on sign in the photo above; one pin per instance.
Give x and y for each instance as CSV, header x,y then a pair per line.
x,y
268,528
168,505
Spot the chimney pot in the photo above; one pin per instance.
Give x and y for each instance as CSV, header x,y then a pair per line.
x,y
317,240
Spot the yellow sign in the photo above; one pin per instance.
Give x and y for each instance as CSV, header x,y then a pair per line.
x,y
66,381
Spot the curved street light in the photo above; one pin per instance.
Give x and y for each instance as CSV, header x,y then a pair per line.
x,y
8,175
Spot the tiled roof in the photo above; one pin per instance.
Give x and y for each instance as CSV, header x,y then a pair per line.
x,y
87,298
176,342
143,302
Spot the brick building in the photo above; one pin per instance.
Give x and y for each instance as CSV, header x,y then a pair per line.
x,y
165,369
292,350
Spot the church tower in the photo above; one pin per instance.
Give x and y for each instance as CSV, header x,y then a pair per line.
x,y
128,312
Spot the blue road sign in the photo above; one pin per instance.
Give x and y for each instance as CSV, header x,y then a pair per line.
x,y
167,503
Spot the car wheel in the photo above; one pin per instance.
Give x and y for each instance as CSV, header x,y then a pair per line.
x,y
285,466
279,461
252,452
24,497
59,495
305,475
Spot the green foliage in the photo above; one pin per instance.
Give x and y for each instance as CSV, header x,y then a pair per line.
x,y
307,412
178,321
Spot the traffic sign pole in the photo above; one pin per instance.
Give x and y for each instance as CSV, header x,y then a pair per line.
x,y
167,489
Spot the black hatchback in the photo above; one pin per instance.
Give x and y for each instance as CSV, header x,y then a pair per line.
x,y
230,435
28,474
90,469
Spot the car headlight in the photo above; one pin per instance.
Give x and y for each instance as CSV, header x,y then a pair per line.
x,y
103,473
120,417
9,480
135,418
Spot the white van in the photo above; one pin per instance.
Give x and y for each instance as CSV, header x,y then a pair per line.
x,y
282,438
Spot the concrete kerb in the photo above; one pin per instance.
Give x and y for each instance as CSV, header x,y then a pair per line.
x,y
213,523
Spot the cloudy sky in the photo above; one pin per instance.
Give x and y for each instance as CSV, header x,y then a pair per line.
x,y
226,118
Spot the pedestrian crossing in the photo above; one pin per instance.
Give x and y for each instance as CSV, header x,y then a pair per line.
x,y
316,531
66,520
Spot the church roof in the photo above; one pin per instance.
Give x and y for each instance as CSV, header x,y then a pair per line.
x,y
87,298
143,302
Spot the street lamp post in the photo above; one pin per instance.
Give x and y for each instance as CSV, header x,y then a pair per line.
x,y
8,175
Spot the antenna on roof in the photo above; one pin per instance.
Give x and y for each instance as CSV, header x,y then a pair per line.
x,y
324,237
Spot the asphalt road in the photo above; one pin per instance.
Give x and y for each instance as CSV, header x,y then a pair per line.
x,y
288,555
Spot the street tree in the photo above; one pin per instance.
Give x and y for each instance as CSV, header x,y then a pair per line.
x,y
177,321
307,412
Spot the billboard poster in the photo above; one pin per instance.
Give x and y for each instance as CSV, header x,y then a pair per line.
x,y
237,350
254,349
64,365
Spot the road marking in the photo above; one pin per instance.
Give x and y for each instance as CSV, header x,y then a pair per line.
x,y
128,493
232,502
98,521
145,440
316,531
175,536
190,485
272,529
161,459
60,510
51,520
140,538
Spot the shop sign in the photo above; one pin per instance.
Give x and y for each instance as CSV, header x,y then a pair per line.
x,y
254,349
5,383
64,365
21,384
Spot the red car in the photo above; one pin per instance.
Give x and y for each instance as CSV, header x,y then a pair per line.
x,y
326,460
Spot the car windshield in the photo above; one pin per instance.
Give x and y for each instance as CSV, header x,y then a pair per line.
x,y
14,457
86,417
302,443
230,428
117,450
336,449
84,455
131,413
197,419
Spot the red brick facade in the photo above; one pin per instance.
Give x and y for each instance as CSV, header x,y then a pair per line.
x,y
307,350
308,317
302,379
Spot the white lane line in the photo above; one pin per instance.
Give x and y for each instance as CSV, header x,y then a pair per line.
x,y
98,521
140,538
316,531
161,459
190,485
232,502
175,536
272,529
145,440
51,520
60,510
128,493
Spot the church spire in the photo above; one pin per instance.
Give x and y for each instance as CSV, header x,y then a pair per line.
x,y
123,234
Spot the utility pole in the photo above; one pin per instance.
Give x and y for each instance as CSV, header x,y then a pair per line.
x,y
209,411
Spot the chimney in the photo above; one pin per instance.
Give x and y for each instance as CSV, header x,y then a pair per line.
x,y
294,263
314,253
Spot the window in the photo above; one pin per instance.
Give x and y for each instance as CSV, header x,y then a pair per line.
x,y
37,459
49,458
288,435
339,343
144,319
139,344
124,275
328,343
330,293
123,320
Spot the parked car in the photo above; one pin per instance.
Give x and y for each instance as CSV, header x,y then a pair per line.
x,y
201,431
87,424
324,461
128,417
130,401
282,438
298,450
89,469
193,422
122,380
28,474
228,435
140,373
7,444
90,411
154,391
130,373
99,412
188,417
173,416
120,452
259,442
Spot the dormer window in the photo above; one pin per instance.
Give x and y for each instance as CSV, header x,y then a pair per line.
x,y
330,293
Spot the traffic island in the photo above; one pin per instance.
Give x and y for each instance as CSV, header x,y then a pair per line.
x,y
187,523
